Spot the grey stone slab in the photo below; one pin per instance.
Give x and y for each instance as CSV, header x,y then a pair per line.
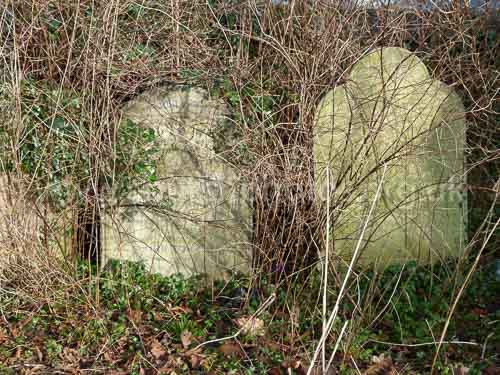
x,y
197,217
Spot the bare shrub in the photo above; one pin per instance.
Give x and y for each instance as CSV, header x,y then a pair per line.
x,y
272,64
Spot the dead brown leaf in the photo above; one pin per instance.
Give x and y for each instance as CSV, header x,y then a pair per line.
x,y
291,363
157,350
108,356
231,349
196,357
39,354
382,366
186,339
3,336
179,310
14,332
134,315
196,361
70,356
19,353
157,316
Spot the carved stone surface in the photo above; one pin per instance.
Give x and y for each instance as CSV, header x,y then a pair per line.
x,y
391,112
196,218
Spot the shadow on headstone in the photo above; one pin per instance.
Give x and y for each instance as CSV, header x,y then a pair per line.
x,y
196,218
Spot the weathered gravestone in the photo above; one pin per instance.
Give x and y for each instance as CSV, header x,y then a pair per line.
x,y
391,112
196,218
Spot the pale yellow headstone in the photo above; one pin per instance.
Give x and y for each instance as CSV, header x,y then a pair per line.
x,y
197,218
391,112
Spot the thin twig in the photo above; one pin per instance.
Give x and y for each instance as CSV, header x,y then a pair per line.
x,y
260,310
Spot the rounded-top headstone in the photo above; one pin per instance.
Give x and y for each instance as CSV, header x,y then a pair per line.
x,y
196,218
391,112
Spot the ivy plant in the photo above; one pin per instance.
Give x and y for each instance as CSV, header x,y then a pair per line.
x,y
62,156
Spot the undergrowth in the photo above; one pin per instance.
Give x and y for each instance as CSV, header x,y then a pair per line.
x,y
147,323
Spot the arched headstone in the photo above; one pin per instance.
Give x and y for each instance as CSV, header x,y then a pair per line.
x,y
197,217
391,112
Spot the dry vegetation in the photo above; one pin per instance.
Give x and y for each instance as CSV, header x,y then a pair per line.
x,y
67,67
